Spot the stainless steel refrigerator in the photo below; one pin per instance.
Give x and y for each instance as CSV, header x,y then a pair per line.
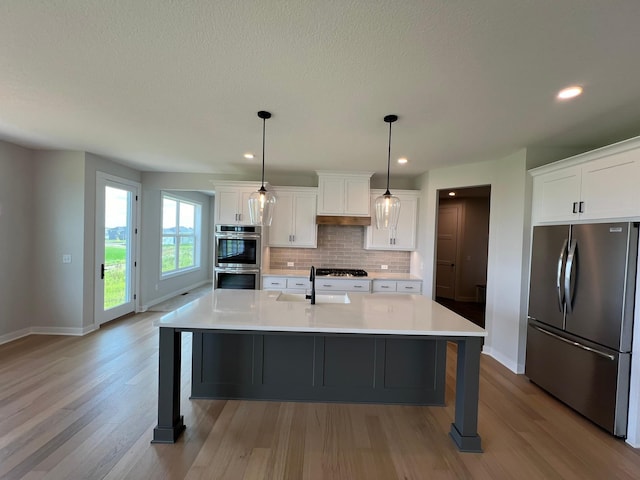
x,y
581,304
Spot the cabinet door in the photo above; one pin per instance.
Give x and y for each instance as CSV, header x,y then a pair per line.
x,y
554,194
384,286
232,205
226,207
305,230
274,283
243,208
409,286
281,228
338,285
405,236
356,196
330,196
610,187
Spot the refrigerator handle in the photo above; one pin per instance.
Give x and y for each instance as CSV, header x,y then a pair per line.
x,y
568,273
559,274
575,344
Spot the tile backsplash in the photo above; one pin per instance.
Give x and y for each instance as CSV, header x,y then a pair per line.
x,y
340,246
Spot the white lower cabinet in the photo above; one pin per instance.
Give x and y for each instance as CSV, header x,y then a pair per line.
x,y
274,283
333,285
397,286
286,284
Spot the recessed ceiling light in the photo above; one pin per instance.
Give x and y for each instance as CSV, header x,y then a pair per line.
x,y
569,92
248,156
452,194
402,161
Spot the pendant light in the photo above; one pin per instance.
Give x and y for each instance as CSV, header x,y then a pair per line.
x,y
387,206
261,203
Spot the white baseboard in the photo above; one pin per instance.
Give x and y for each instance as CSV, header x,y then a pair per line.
x,y
507,362
10,337
147,306
71,331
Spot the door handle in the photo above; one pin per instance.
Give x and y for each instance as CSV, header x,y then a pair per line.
x,y
102,271
559,274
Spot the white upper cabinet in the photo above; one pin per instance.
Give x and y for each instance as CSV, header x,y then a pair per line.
x,y
232,203
597,185
341,193
294,218
404,237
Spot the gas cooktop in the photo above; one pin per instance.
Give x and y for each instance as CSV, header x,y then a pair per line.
x,y
340,272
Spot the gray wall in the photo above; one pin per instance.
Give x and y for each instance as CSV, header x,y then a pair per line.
x,y
153,288
58,193
509,236
16,241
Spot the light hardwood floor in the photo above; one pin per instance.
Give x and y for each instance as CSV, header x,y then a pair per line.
x,y
85,407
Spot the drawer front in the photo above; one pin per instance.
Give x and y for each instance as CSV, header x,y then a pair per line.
x,y
381,286
274,283
409,287
301,283
332,285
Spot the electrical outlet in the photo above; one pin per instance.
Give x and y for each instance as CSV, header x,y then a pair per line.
x,y
289,264
66,258
384,267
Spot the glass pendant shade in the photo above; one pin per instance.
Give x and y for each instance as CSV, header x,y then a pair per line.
x,y
387,209
261,205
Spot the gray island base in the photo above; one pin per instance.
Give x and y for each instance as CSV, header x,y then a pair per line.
x,y
320,357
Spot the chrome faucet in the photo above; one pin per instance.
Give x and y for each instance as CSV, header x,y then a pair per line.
x,y
312,279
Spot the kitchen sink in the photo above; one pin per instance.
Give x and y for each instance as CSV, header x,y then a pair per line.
x,y
299,297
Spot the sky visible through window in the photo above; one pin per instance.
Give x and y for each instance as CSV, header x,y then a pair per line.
x,y
116,207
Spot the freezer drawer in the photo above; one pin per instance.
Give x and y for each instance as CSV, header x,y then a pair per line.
x,y
590,379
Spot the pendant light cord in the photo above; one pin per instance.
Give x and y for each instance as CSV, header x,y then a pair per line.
x,y
389,161
264,122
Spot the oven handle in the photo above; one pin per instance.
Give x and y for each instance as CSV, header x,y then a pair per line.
x,y
236,270
239,236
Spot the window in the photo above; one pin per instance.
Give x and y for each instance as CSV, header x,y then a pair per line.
x,y
181,220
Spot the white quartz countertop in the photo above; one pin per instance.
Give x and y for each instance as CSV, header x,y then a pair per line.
x,y
259,310
370,275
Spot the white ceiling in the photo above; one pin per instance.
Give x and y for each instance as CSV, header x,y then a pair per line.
x,y
175,85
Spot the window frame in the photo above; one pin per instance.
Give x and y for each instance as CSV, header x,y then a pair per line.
x,y
196,236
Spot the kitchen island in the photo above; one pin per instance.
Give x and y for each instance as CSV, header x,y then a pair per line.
x,y
256,344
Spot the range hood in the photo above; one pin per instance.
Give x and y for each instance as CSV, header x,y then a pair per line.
x,y
343,220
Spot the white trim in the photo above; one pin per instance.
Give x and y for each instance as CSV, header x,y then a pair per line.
x,y
10,337
156,301
135,227
71,331
506,361
25,332
197,234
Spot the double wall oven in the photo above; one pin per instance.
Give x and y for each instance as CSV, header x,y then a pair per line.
x,y
237,256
